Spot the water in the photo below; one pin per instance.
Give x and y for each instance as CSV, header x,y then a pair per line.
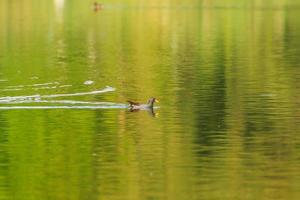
x,y
226,74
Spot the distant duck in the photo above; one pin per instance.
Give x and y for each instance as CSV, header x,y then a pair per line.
x,y
133,106
97,6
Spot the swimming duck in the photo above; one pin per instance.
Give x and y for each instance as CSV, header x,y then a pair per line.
x,y
137,106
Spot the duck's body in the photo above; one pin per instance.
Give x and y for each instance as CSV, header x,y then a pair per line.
x,y
138,106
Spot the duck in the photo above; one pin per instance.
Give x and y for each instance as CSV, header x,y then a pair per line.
x,y
134,106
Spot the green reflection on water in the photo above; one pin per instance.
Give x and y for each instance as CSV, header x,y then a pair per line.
x,y
226,74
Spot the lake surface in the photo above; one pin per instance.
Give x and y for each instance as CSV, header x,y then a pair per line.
x,y
226,74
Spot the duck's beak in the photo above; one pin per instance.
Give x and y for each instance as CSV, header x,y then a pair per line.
x,y
156,100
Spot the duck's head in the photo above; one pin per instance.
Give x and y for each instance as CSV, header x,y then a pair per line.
x,y
152,100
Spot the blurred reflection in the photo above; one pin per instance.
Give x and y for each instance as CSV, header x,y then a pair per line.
x,y
150,111
59,9
97,6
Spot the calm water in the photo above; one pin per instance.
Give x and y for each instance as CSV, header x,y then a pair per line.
x,y
226,73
